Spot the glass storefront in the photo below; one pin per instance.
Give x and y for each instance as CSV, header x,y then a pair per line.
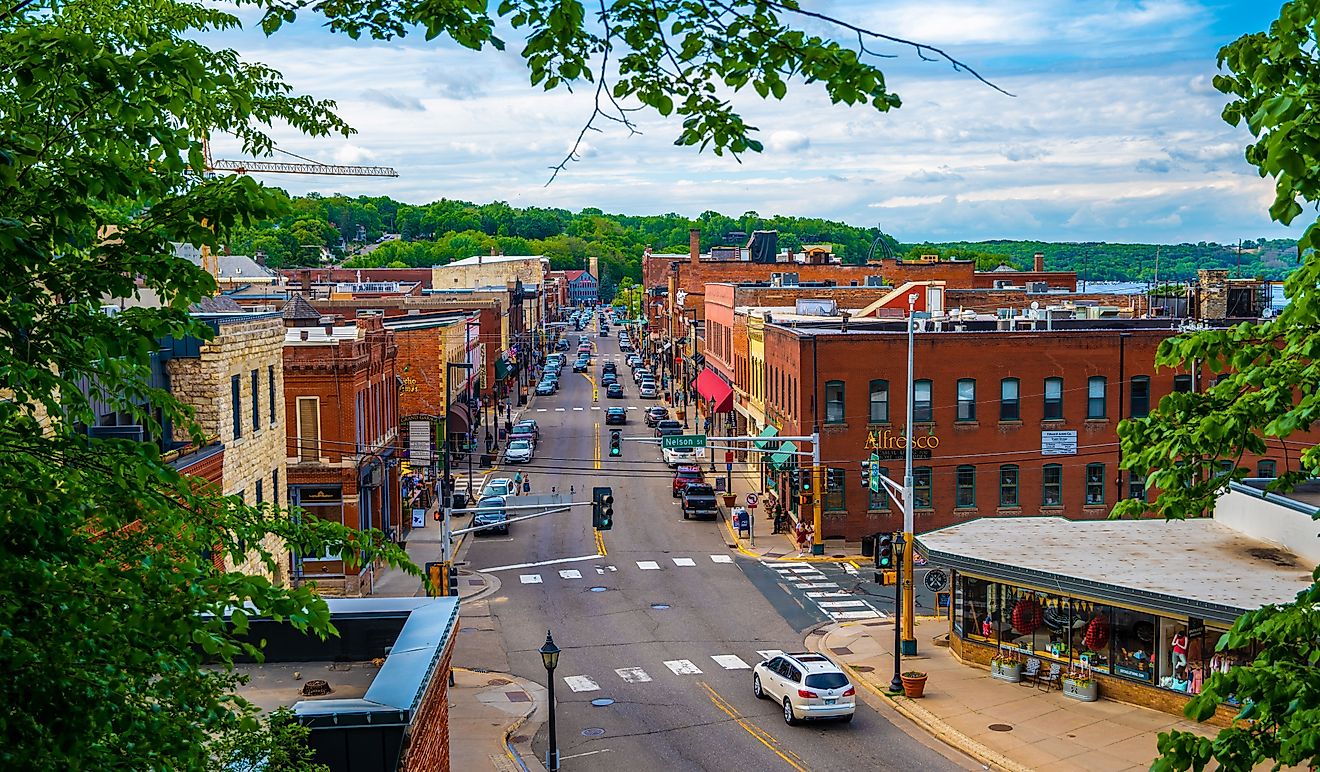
x,y
1171,653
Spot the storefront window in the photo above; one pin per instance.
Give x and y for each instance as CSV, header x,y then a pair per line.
x,y
1038,623
1213,661
1091,634
979,612
1134,644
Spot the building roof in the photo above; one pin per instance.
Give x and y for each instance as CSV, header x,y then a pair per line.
x,y
573,275
298,309
220,304
483,259
1198,567
232,267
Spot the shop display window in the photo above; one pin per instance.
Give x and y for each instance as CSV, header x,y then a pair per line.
x,y
980,613
1134,644
1039,623
1091,634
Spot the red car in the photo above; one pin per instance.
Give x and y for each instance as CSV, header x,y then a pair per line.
x,y
684,475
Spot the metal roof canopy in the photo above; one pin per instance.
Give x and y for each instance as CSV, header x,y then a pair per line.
x,y
1199,567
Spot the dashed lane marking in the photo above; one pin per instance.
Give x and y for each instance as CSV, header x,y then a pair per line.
x,y
769,653
730,662
559,410
577,409
633,675
581,683
684,562
683,667
529,578
648,565
721,558
571,573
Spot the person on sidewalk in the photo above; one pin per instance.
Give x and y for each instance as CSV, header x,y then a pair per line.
x,y
802,535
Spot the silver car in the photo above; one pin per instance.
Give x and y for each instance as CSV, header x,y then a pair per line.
x,y
519,452
806,685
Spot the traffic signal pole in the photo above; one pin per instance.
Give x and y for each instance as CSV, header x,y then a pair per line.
x,y
909,633
818,500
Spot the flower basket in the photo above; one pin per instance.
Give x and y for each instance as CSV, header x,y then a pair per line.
x,y
730,499
914,683
1084,689
1006,670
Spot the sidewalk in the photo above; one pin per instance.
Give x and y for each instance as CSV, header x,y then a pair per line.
x,y
1003,725
491,721
772,546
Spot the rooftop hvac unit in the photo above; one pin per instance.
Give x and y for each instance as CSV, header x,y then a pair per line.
x,y
1003,284
790,279
875,281
776,280
1038,286
1003,313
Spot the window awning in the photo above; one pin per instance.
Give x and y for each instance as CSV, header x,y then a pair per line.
x,y
502,369
768,431
458,420
713,388
781,458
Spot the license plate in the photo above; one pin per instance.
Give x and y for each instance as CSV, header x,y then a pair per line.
x,y
830,701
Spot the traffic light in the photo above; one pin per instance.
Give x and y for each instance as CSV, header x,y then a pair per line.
x,y
602,508
866,474
884,551
616,442
804,482
868,546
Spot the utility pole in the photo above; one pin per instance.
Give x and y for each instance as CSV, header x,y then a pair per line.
x,y
909,634
818,488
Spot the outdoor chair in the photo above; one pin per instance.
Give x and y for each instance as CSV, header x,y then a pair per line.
x,y
1054,678
1031,671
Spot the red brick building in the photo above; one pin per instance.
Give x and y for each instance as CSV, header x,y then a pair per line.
x,y
341,395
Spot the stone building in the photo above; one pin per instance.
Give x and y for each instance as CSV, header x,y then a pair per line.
x,y
342,393
235,383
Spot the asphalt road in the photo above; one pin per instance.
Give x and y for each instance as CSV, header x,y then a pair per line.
x,y
667,623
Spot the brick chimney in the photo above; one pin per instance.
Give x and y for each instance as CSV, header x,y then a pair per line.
x,y
694,246
1038,262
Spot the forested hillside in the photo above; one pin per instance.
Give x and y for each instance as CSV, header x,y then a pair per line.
x,y
445,230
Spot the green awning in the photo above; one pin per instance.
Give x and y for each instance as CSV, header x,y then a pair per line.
x,y
785,454
769,431
502,369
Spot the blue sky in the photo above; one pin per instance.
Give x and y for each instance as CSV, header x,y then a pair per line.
x,y
1113,133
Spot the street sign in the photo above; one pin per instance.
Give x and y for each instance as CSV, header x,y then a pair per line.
x,y
875,473
752,499
936,580
728,456
683,441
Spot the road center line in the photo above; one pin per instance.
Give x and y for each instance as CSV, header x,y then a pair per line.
x,y
765,738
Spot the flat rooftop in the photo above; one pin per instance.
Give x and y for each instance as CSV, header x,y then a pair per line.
x,y
1198,567
274,685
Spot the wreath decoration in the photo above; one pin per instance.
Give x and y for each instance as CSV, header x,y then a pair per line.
x,y
1097,633
1027,616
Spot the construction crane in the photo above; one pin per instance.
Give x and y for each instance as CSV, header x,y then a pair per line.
x,y
209,262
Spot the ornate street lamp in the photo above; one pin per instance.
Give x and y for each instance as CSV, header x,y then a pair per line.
x,y
550,658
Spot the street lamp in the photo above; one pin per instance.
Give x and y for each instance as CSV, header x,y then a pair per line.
x,y
896,685
550,658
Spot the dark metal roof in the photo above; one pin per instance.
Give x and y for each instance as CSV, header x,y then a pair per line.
x,y
298,309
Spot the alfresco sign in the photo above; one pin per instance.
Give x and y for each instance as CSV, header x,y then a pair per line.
x,y
883,439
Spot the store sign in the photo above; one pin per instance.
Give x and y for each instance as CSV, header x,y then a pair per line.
x,y
419,442
885,440
1058,443
319,494
898,455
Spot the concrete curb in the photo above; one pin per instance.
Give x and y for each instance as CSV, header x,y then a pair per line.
x,y
924,719
493,586
510,750
856,560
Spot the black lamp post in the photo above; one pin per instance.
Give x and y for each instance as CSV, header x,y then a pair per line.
x,y
550,658
896,685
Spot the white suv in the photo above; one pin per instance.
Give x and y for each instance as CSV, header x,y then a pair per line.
x,y
807,685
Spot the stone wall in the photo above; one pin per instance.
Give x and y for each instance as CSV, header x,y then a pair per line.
x,y
243,345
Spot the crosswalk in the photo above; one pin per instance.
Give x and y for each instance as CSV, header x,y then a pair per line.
x,y
638,674
572,574
832,599
579,409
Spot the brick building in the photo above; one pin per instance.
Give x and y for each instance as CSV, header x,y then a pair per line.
x,y
341,391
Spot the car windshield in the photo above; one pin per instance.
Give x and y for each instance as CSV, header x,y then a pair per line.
x,y
700,490
491,501
670,424
519,445
616,410
826,680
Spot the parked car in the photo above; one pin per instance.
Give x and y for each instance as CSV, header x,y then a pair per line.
x,y
648,390
523,433
655,414
685,475
614,391
500,486
561,345
519,452
807,686
640,373
633,361
667,426
492,514
528,425
677,456
616,415
545,388
699,501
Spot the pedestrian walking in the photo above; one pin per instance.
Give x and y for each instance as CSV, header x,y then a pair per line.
x,y
802,535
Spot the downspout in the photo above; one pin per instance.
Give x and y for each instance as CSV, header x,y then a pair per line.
x,y
1122,389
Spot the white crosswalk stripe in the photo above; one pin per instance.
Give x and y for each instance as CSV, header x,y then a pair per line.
x,y
730,661
529,578
540,410
683,667
769,653
849,567
570,573
684,562
721,558
581,683
577,408
814,585
632,407
778,566
868,614
595,407
648,565
827,594
829,604
559,410
633,675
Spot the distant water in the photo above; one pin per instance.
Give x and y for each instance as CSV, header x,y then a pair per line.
x,y
1277,299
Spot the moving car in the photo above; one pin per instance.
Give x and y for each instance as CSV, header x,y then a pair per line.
x,y
581,366
647,390
615,415
610,367
561,345
609,378
500,486
677,456
667,426
699,501
614,391
807,686
519,452
493,515
685,475
655,414
545,388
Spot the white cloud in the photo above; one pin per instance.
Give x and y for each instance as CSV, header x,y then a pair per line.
x,y
788,142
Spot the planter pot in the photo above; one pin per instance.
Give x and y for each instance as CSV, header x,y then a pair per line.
x,y
730,499
1086,691
1006,671
914,686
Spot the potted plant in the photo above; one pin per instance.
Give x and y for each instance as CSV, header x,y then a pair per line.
x,y
914,683
1006,666
1080,684
730,499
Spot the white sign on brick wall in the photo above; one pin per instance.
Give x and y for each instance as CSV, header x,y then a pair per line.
x,y
419,442
1058,443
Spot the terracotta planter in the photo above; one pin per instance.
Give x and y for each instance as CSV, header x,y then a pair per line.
x,y
914,684
730,499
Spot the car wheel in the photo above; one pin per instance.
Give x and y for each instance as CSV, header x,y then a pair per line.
x,y
848,718
756,688
789,718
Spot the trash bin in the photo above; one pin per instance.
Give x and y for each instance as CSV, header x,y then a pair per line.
x,y
458,501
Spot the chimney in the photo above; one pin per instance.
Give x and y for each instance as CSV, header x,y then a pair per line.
x,y
260,257
1039,262
694,246
306,274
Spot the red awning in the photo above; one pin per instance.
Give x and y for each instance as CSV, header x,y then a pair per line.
x,y
713,388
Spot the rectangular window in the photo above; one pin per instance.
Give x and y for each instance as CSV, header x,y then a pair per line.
x,y
965,486
836,481
1051,485
361,404
309,429
236,405
1267,468
260,491
1053,399
967,399
879,402
1182,383
921,485
1008,400
1096,396
275,487
834,402
879,499
1095,484
921,406
1140,396
256,402
270,391
1008,485
1136,486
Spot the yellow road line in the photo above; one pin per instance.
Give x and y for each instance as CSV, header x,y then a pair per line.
x,y
598,445
760,734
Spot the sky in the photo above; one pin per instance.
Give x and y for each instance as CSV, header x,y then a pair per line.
x,y
1112,133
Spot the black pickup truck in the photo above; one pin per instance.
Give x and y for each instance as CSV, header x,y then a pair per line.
x,y
699,501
